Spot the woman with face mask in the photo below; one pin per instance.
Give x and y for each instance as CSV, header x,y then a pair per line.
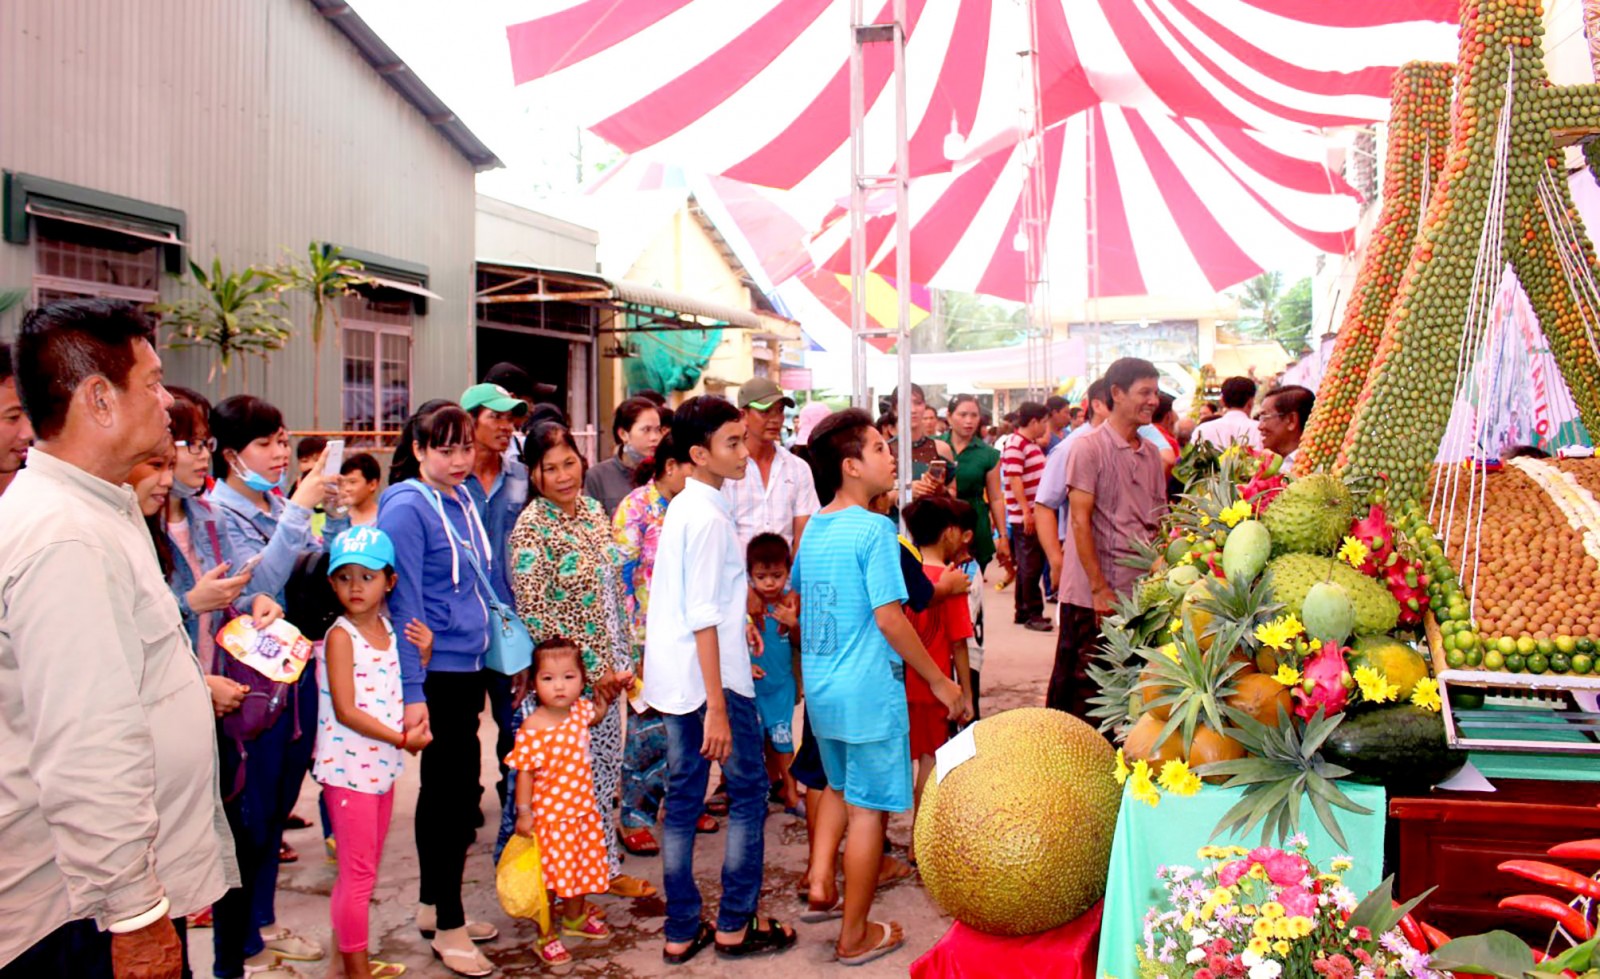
x,y
637,428
252,452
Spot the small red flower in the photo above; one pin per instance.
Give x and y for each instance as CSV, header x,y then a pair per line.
x,y
1361,933
1204,974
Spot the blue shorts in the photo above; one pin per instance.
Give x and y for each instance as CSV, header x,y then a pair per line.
x,y
871,774
776,707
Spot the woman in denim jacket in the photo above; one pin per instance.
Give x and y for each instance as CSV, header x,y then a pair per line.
x,y
252,453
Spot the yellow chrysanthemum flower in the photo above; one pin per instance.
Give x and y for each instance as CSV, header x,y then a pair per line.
x,y
1191,538
1302,925
1281,947
1188,920
1177,779
1209,852
1340,864
1287,675
1353,552
1120,773
1272,909
1140,786
1176,625
1262,928
1260,946
1375,687
1280,633
1239,510
1426,694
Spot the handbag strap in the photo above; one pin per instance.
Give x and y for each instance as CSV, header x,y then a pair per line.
x,y
437,500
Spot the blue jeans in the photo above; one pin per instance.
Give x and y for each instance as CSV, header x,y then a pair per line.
x,y
687,775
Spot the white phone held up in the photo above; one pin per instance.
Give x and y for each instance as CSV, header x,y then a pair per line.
x,y
334,459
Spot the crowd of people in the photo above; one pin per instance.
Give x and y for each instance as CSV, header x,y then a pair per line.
x,y
749,600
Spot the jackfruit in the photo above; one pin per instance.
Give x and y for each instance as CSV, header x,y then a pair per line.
x,y
1293,575
1310,516
1017,839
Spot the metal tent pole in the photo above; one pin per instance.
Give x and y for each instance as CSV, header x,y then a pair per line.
x,y
862,183
1036,222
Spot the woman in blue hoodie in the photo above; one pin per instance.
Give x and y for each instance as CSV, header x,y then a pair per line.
x,y
252,452
437,535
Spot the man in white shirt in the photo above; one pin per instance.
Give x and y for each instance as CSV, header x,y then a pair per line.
x,y
1284,413
777,494
697,673
1235,423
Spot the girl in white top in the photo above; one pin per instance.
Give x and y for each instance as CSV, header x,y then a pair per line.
x,y
361,733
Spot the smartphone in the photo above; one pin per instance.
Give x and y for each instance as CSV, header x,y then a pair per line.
x,y
335,458
937,470
247,567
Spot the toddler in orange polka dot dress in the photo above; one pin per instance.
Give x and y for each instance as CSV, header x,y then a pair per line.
x,y
555,795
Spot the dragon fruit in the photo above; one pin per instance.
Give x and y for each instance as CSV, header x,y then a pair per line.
x,y
1261,491
1325,683
1374,531
1409,586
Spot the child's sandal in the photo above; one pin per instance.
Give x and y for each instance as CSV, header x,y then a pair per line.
x,y
554,954
589,928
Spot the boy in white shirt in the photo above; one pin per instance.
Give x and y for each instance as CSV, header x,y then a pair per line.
x,y
697,630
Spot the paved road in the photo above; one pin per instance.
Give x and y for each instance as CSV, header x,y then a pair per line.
x,y
1015,673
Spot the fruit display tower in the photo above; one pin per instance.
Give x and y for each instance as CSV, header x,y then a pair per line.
x,y
1501,196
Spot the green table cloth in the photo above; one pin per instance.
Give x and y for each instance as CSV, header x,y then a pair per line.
x,y
1172,832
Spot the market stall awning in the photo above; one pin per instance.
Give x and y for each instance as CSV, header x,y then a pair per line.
x,y
651,307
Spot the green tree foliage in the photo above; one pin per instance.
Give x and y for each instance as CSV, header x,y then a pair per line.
x,y
965,321
325,277
236,312
1271,312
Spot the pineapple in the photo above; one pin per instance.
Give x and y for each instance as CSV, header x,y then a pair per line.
x,y
1192,684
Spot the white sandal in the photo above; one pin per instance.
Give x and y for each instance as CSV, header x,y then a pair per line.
x,y
463,961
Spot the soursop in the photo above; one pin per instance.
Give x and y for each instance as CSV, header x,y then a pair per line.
x,y
1310,516
1293,575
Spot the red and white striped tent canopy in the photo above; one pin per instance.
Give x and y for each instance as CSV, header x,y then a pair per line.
x,y
1178,208
758,90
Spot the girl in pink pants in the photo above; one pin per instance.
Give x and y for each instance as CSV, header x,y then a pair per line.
x,y
361,733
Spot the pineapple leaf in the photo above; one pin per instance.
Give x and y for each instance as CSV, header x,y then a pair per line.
x,y
1285,766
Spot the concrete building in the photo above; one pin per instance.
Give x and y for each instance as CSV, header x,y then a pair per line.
x,y
138,135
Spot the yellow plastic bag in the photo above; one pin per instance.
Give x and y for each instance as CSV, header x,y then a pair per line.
x,y
519,880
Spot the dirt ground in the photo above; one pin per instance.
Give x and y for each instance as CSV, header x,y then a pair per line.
x,y
1016,671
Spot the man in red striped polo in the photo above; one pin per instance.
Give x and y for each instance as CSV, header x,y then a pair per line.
x,y
1021,465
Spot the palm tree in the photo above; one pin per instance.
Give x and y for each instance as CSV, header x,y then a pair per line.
x,y
1273,313
326,277
238,312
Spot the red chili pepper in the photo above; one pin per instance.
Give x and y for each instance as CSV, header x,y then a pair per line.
x,y
1549,873
1435,936
1413,933
1576,850
1549,907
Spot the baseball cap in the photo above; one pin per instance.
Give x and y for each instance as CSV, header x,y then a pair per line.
x,y
494,397
368,547
762,393
516,380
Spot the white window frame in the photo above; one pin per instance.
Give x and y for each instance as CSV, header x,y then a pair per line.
x,y
349,324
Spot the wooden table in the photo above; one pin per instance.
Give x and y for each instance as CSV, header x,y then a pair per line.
x,y
1457,840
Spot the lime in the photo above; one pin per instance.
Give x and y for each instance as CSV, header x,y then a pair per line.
x,y
1474,657
1458,610
1494,659
1506,645
1449,641
1582,663
1456,658
1516,662
1538,663
1560,663
1465,698
1566,644
1466,639
1526,645
1545,646
1585,644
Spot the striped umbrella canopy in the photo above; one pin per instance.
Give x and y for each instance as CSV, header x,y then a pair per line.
x,y
1168,206
758,90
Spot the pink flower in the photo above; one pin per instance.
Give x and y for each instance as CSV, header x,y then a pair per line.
x,y
1285,869
1204,974
1296,900
1220,946
1365,958
1236,967
1217,963
1262,854
1361,933
1229,875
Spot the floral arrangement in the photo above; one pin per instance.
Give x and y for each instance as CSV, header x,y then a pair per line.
x,y
1270,913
